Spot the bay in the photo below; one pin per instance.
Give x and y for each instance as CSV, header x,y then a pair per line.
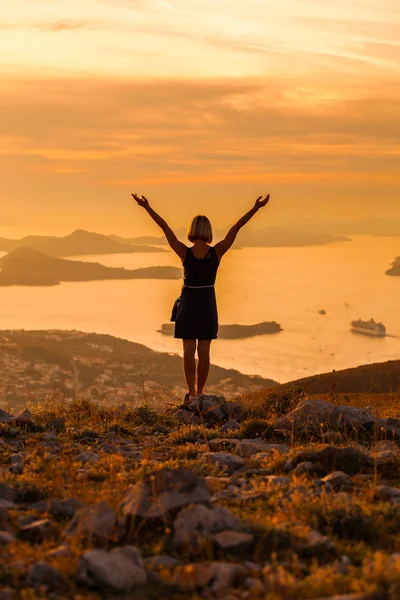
x,y
287,285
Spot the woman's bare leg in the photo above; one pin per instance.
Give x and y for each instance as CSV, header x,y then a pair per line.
x,y
203,367
189,365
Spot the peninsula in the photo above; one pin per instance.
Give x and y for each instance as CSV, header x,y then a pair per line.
x,y
395,268
77,243
26,266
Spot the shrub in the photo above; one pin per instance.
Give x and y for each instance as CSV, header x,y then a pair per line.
x,y
282,401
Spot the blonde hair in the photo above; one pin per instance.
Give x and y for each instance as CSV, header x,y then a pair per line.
x,y
200,229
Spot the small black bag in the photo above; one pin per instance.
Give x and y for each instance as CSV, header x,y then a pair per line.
x,y
175,309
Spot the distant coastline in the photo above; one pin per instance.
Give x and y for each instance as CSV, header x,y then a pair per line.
x,y
86,243
26,266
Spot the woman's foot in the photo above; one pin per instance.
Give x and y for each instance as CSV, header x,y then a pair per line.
x,y
188,398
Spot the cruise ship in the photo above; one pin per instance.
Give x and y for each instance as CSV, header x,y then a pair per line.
x,y
370,327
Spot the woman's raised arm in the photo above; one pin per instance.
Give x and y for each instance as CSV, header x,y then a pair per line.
x,y
223,246
172,240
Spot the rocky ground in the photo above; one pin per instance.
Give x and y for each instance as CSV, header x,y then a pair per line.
x,y
284,497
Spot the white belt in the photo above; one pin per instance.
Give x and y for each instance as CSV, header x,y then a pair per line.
x,y
198,287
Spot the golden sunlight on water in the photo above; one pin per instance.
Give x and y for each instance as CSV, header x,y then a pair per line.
x,y
288,285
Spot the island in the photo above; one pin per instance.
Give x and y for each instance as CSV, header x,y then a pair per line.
x,y
26,266
52,363
77,243
234,332
395,268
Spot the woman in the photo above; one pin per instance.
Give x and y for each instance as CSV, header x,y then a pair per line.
x,y
197,318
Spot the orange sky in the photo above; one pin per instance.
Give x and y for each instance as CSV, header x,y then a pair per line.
x,y
200,105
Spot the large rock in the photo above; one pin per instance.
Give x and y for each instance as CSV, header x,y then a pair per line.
x,y
186,417
214,409
118,571
24,418
317,416
350,460
162,492
194,523
94,524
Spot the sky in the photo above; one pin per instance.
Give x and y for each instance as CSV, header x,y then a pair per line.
x,y
200,105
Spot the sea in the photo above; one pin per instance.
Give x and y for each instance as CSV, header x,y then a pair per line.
x,y
287,285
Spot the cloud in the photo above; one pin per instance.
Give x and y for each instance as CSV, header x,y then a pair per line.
x,y
63,25
200,127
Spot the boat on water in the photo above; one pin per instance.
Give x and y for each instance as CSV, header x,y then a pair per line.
x,y
370,327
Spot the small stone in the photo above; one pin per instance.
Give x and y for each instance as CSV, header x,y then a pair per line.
x,y
274,481
38,531
56,424
120,570
223,444
233,540
338,480
226,461
90,457
161,562
6,537
385,492
255,586
195,522
47,576
304,468
66,508
7,593
318,546
231,425
59,552
192,576
227,576
163,491
17,465
7,493
94,524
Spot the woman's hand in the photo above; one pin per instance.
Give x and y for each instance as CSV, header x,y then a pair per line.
x,y
141,201
260,202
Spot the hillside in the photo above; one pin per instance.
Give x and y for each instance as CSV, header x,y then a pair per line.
x,y
378,378
38,363
26,266
77,243
395,268
217,501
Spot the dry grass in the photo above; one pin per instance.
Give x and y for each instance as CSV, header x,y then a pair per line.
x,y
363,529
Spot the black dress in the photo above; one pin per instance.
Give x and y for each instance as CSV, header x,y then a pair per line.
x,y
197,316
